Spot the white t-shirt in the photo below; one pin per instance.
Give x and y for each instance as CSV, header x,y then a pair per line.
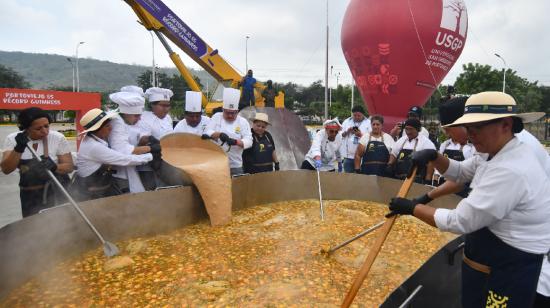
x,y
350,142
468,150
151,125
385,138
328,150
198,130
421,142
238,129
57,145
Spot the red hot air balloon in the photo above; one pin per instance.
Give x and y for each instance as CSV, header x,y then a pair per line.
x,y
400,50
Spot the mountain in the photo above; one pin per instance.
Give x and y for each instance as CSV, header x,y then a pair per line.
x,y
44,71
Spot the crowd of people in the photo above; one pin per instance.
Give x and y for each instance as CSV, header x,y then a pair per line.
x,y
500,169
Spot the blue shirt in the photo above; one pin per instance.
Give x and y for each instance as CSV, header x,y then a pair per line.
x,y
248,83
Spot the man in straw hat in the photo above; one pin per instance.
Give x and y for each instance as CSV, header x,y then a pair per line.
x,y
194,122
505,216
260,157
125,137
231,130
324,152
95,159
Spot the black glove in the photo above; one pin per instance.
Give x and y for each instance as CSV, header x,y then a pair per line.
x,y
48,164
231,141
155,148
420,159
224,138
153,140
401,206
358,171
205,137
424,199
277,168
156,162
21,141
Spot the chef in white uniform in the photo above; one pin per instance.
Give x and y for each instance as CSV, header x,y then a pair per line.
x,y
231,130
324,153
95,160
353,128
124,138
157,122
193,122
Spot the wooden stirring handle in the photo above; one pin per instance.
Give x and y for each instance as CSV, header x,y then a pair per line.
x,y
385,230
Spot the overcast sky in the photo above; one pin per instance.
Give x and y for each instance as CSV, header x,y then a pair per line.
x,y
287,37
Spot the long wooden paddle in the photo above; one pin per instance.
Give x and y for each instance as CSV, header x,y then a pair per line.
x,y
386,228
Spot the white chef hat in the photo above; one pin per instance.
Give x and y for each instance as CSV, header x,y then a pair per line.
x,y
231,98
155,94
132,88
128,102
193,101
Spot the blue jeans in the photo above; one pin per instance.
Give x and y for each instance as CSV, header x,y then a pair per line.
x,y
349,165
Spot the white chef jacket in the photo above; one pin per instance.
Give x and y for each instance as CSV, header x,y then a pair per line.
x,y
350,142
57,145
198,130
509,196
124,138
238,129
151,124
404,143
468,150
387,139
95,152
328,150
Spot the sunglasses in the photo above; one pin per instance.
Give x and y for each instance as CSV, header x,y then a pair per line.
x,y
478,126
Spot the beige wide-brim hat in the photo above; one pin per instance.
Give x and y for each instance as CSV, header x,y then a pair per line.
x,y
261,117
486,106
94,118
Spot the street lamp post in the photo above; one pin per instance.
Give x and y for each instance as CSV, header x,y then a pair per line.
x,y
154,77
77,75
503,73
246,53
72,64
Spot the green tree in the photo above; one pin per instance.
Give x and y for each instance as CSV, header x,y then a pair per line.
x,y
11,79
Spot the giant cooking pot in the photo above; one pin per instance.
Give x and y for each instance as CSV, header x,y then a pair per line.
x,y
38,242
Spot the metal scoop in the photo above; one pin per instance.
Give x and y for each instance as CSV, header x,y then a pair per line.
x,y
358,236
109,249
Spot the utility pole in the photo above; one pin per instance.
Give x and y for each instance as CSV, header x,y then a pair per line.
x,y
352,91
77,74
154,75
326,71
72,64
503,73
246,54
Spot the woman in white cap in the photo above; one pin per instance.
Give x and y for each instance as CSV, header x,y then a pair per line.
x,y
95,160
261,156
157,122
125,138
193,122
231,130
34,126
325,148
505,216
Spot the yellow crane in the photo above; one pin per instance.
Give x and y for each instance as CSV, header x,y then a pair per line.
x,y
155,16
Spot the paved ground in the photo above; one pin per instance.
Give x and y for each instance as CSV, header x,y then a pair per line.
x,y
10,207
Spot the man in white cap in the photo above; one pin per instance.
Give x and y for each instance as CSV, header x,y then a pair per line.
x,y
324,153
505,216
95,160
125,138
157,122
231,130
193,122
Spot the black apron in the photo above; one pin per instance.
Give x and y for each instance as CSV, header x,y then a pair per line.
x,y
375,158
404,163
99,184
457,155
513,277
259,157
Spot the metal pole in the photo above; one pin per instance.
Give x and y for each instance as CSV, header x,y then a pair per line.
x,y
352,91
246,53
330,90
77,74
72,64
503,73
326,71
154,77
